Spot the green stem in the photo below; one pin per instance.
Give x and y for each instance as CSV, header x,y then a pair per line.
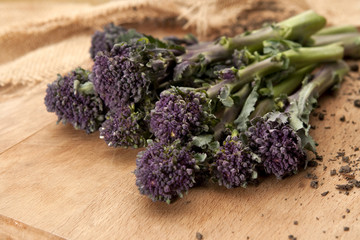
x,y
328,76
304,25
245,76
298,28
197,57
293,82
350,42
310,55
297,57
285,87
352,48
337,30
334,38
230,113
264,106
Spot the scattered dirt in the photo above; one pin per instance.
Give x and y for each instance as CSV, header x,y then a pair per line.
x,y
357,103
314,184
325,193
354,67
199,236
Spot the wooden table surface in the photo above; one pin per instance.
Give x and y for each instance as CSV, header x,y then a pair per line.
x,y
56,182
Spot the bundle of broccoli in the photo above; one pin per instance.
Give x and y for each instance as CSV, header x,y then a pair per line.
x,y
227,111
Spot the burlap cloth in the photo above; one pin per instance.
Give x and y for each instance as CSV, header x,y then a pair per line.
x,y
40,39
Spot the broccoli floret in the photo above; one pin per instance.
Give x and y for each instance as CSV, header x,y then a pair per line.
x,y
73,99
105,40
131,72
165,172
125,127
278,145
234,164
181,114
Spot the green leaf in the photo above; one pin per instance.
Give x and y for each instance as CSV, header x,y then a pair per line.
x,y
225,98
200,157
129,36
295,122
224,92
273,47
290,44
307,142
227,102
277,116
214,146
202,140
248,108
303,106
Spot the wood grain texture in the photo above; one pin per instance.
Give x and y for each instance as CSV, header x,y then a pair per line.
x,y
21,114
12,229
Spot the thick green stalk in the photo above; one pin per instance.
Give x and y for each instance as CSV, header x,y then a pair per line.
x,y
350,42
330,75
293,82
264,106
337,30
246,75
286,87
297,57
302,26
298,28
352,48
197,57
334,38
310,55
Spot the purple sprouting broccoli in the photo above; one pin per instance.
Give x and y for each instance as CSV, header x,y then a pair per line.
x,y
73,99
280,138
165,172
125,127
234,164
278,145
226,90
132,71
181,114
105,40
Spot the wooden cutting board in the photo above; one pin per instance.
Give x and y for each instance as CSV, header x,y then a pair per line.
x,y
56,182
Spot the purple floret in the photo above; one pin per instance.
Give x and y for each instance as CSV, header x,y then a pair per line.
x,y
117,79
164,172
227,74
234,164
180,114
124,127
278,145
105,40
74,101
130,73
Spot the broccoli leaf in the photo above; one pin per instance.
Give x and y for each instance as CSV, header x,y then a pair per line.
x,y
248,107
202,140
